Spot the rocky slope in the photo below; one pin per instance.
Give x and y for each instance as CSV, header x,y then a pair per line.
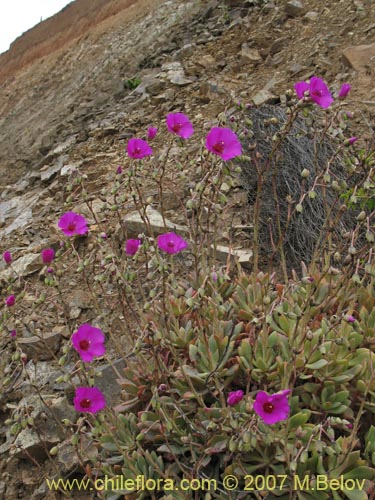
x,y
67,102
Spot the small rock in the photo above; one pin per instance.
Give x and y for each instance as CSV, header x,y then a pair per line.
x,y
269,7
135,225
61,330
40,349
81,299
277,46
294,8
249,55
40,373
67,455
46,144
244,256
359,56
82,135
265,97
24,266
32,443
225,188
311,16
69,169
47,172
206,61
100,133
108,383
296,68
75,313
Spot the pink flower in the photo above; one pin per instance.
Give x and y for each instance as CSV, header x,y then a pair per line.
x,y
138,148
179,124
71,223
171,243
344,91
318,90
272,408
223,142
13,334
10,301
352,140
132,246
89,400
119,170
235,397
7,256
151,133
88,341
301,88
350,318
48,254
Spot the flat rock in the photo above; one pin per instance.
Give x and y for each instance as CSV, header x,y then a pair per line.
x,y
17,211
250,55
24,266
358,57
40,348
265,97
135,225
108,383
243,256
32,443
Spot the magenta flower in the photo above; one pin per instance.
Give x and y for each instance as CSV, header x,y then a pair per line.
x,y
171,243
71,223
352,140
138,148
119,170
10,301
350,318
179,124
235,397
132,246
344,91
272,408
48,254
7,256
223,142
89,400
301,88
13,333
88,341
318,90
151,133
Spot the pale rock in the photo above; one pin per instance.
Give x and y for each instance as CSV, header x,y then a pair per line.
x,y
206,61
24,266
294,8
135,225
264,97
311,16
243,256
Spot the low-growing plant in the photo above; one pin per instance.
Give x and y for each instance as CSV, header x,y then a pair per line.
x,y
253,385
